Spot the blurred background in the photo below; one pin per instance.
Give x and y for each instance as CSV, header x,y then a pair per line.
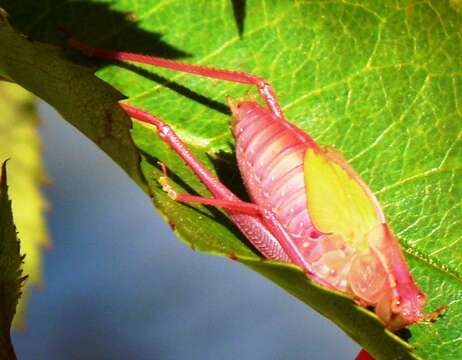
x,y
120,285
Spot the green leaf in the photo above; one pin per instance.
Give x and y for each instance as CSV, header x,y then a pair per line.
x,y
86,102
10,270
19,142
379,80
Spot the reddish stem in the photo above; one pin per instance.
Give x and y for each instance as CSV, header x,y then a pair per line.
x,y
364,355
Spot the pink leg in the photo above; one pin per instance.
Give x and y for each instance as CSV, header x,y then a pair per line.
x,y
264,88
268,217
239,206
168,135
250,225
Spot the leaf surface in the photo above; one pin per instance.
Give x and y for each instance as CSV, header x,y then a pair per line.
x,y
10,270
379,80
20,143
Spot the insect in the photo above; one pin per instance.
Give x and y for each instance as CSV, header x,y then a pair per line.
x,y
309,206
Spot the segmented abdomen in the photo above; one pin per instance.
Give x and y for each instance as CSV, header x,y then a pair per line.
x,y
270,154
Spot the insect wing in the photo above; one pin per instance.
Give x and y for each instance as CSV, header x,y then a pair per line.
x,y
338,202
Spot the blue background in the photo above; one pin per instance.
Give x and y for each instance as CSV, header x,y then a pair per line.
x,y
119,285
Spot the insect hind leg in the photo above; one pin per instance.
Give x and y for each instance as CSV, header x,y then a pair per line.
x,y
252,225
258,220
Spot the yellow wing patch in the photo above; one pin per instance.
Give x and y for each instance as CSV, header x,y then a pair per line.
x,y
337,202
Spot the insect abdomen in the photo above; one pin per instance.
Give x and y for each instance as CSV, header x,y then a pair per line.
x,y
270,154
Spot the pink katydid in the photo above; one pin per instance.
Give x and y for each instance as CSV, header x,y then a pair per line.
x,y
309,206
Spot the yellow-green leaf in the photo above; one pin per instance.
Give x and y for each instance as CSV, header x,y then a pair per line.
x,y
20,142
10,270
